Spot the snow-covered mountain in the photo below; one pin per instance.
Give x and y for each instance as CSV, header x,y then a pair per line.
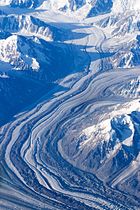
x,y
92,7
122,32
128,54
10,52
123,5
70,104
21,3
24,24
111,148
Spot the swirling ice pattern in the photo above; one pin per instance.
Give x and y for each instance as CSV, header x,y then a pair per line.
x,y
35,173
33,166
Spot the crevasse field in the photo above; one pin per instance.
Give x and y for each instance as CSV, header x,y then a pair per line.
x,y
70,104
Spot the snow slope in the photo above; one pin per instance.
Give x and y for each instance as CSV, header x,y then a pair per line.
x,y
123,5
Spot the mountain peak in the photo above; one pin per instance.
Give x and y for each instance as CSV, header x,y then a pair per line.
x,y
92,7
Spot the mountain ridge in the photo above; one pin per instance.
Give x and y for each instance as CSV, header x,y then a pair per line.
x,y
93,7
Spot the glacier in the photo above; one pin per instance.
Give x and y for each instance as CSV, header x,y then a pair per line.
x,y
70,104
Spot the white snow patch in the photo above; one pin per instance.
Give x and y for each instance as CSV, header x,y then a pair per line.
x,y
35,65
